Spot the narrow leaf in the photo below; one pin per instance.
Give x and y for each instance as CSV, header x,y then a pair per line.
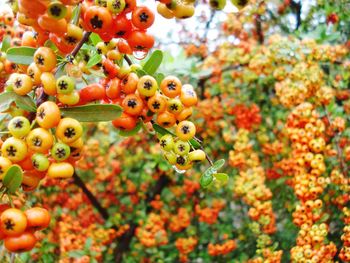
x,y
93,112
95,38
162,131
140,72
159,77
21,55
6,43
13,178
25,102
6,98
206,178
221,177
95,59
218,164
153,62
195,144
132,132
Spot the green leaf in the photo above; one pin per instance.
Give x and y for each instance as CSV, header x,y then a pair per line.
x,y
218,164
95,59
140,72
95,38
207,178
195,143
221,177
13,178
76,14
88,243
25,102
21,55
159,77
6,98
6,43
93,112
132,132
153,62
97,73
162,131
76,253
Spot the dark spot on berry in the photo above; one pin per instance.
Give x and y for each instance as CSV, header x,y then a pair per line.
x,y
185,129
147,85
116,4
60,152
37,142
156,105
69,132
171,86
143,17
9,224
132,103
63,85
96,22
11,151
180,160
40,60
18,124
174,107
55,10
18,83
41,114
163,143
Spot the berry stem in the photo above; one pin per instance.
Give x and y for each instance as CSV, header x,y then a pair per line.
x,y
80,44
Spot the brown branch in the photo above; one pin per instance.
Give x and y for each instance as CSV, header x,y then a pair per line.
x,y
80,44
79,182
259,30
207,26
296,7
125,240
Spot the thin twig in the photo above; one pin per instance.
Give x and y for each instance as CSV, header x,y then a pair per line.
x,y
207,26
297,8
128,60
80,44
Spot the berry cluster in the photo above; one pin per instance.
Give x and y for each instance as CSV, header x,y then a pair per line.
x,y
17,228
345,251
152,233
183,9
110,19
250,185
185,246
221,249
307,133
37,150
